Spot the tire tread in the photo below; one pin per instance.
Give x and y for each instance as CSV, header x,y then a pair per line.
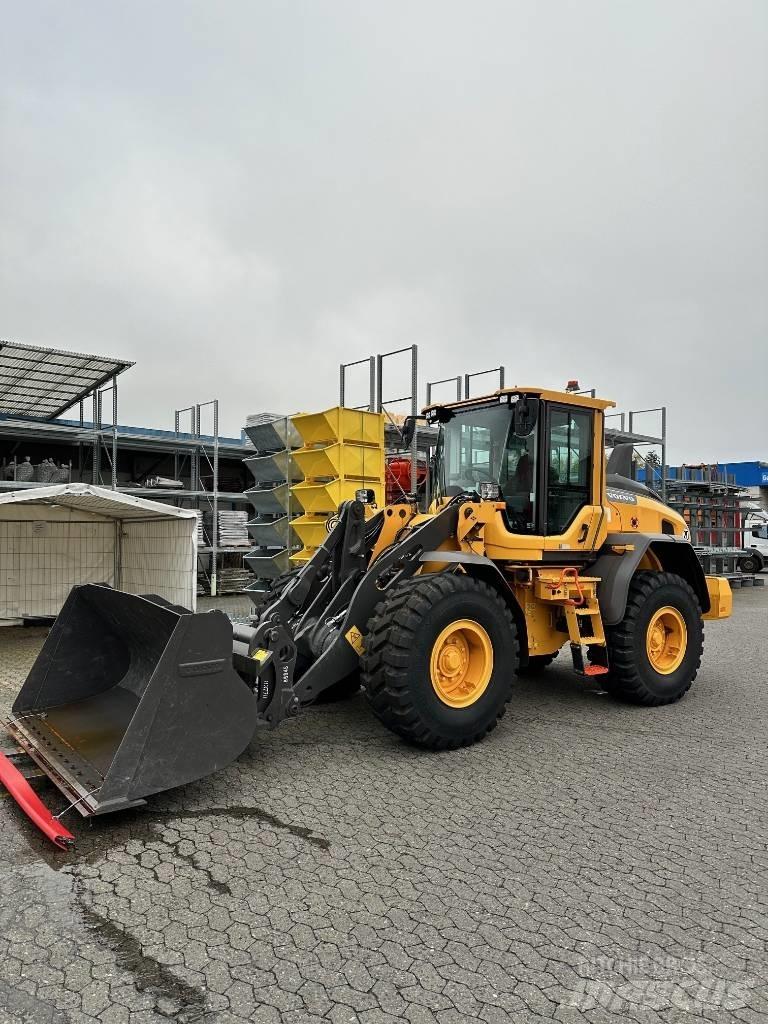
x,y
385,664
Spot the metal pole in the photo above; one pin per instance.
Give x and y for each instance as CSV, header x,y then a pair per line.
x,y
215,531
501,380
466,385
664,453
176,452
96,450
114,433
379,393
342,371
80,443
414,413
372,384
196,433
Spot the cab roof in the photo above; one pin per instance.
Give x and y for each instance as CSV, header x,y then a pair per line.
x,y
562,397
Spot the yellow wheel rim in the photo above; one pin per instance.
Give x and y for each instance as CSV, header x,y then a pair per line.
x,y
461,663
666,640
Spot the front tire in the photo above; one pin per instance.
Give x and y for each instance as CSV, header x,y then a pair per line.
x,y
440,659
655,652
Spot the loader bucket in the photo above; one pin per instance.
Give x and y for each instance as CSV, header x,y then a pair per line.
x,y
130,696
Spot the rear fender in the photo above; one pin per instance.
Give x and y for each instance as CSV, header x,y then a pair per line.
x,y
617,567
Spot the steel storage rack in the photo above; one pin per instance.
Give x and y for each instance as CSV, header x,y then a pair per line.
x,y
274,438
715,508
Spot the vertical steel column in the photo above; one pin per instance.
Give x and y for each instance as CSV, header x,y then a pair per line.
x,y
414,413
481,373
379,392
96,438
196,449
343,367
215,538
176,451
433,383
114,433
664,453
80,443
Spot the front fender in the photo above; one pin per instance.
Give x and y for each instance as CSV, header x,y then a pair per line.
x,y
485,569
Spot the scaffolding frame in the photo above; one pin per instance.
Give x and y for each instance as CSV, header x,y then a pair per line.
x,y
195,488
626,434
371,360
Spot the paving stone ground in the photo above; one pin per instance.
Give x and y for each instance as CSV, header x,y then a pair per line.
x,y
588,862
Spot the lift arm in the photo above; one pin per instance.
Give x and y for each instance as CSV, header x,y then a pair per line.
x,y
312,635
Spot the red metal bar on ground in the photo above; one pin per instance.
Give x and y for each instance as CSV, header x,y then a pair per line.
x,y
32,805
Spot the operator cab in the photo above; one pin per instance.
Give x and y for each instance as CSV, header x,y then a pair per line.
x,y
539,453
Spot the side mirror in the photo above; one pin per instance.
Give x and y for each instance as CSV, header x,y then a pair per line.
x,y
525,415
409,429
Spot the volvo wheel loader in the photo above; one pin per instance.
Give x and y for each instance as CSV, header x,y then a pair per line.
x,y
532,542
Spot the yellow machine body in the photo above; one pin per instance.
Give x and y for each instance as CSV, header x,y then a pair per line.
x,y
553,591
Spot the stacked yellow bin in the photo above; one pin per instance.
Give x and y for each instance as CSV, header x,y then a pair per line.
x,y
343,452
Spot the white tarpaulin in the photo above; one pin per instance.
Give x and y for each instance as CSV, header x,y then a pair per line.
x,y
54,538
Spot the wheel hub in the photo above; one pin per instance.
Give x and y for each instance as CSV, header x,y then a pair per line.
x,y
666,640
461,663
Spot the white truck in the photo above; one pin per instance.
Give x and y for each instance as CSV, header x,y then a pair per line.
x,y
755,558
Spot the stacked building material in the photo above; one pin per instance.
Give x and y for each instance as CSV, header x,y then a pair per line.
x,y
200,532
233,577
232,528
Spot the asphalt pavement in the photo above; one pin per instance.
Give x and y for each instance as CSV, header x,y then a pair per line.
x,y
588,862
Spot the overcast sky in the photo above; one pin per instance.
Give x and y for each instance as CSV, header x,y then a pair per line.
x,y
241,195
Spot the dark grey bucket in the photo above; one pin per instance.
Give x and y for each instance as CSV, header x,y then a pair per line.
x,y
130,696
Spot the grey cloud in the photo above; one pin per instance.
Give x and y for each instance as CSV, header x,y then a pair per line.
x,y
240,196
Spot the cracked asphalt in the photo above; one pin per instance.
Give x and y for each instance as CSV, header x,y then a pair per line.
x,y
588,862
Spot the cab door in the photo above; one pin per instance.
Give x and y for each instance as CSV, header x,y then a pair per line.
x,y
571,509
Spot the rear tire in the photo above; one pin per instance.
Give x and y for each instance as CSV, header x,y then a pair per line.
x,y
750,564
655,652
407,662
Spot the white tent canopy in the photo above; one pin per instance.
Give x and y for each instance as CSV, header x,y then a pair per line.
x,y
54,538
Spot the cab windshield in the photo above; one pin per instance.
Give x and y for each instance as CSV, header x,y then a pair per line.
x,y
479,445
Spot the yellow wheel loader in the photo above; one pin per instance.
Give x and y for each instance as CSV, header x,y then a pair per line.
x,y
532,541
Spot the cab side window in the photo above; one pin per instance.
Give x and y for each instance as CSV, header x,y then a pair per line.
x,y
569,477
